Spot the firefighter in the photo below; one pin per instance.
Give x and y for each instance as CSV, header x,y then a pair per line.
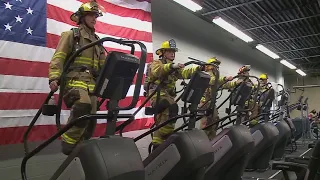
x,y
82,74
263,80
211,132
244,72
166,107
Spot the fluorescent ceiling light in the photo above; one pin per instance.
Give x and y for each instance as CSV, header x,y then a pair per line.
x,y
299,71
189,4
231,29
286,63
267,51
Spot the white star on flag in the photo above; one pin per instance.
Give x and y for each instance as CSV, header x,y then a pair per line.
x,y
8,5
18,19
29,31
19,0
29,10
8,27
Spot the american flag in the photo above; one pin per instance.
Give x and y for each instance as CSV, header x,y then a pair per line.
x,y
29,33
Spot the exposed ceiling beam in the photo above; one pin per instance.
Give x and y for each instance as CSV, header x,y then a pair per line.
x,y
289,39
304,57
283,22
292,50
230,7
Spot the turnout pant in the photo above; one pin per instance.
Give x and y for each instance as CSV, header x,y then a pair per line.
x,y
166,109
81,103
254,112
212,131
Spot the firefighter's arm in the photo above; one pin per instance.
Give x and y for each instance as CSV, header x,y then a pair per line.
x,y
63,49
187,73
158,69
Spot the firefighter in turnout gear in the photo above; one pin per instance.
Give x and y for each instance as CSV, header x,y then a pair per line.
x,y
263,80
81,76
244,72
211,132
165,106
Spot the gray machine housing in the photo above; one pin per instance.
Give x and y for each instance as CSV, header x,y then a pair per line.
x,y
111,158
182,156
284,135
265,137
231,153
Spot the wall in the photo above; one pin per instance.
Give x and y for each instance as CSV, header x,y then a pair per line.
x,y
312,93
201,40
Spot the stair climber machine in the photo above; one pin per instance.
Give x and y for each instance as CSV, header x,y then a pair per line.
x,y
265,135
110,156
280,121
233,144
300,168
184,154
296,133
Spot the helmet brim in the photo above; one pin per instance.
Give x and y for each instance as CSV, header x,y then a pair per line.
x,y
158,51
74,17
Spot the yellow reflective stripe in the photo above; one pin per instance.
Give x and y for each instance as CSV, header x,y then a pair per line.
x,y
61,55
81,84
57,73
54,74
166,67
157,140
68,139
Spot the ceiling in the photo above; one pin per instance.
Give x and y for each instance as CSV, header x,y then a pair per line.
x,y
289,28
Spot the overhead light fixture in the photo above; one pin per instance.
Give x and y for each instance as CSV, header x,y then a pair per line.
x,y
231,29
286,63
267,51
299,71
189,4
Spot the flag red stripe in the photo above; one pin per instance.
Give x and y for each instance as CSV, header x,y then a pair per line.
x,y
124,12
104,28
23,68
17,101
14,135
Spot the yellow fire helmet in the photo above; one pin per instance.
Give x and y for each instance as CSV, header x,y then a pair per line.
x,y
214,60
89,7
171,44
263,76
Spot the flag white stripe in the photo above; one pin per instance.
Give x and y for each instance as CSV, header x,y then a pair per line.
x,y
132,4
128,22
26,52
14,118
57,27
10,83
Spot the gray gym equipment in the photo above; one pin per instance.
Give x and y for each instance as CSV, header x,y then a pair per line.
x,y
301,170
184,154
283,127
109,157
232,145
265,137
